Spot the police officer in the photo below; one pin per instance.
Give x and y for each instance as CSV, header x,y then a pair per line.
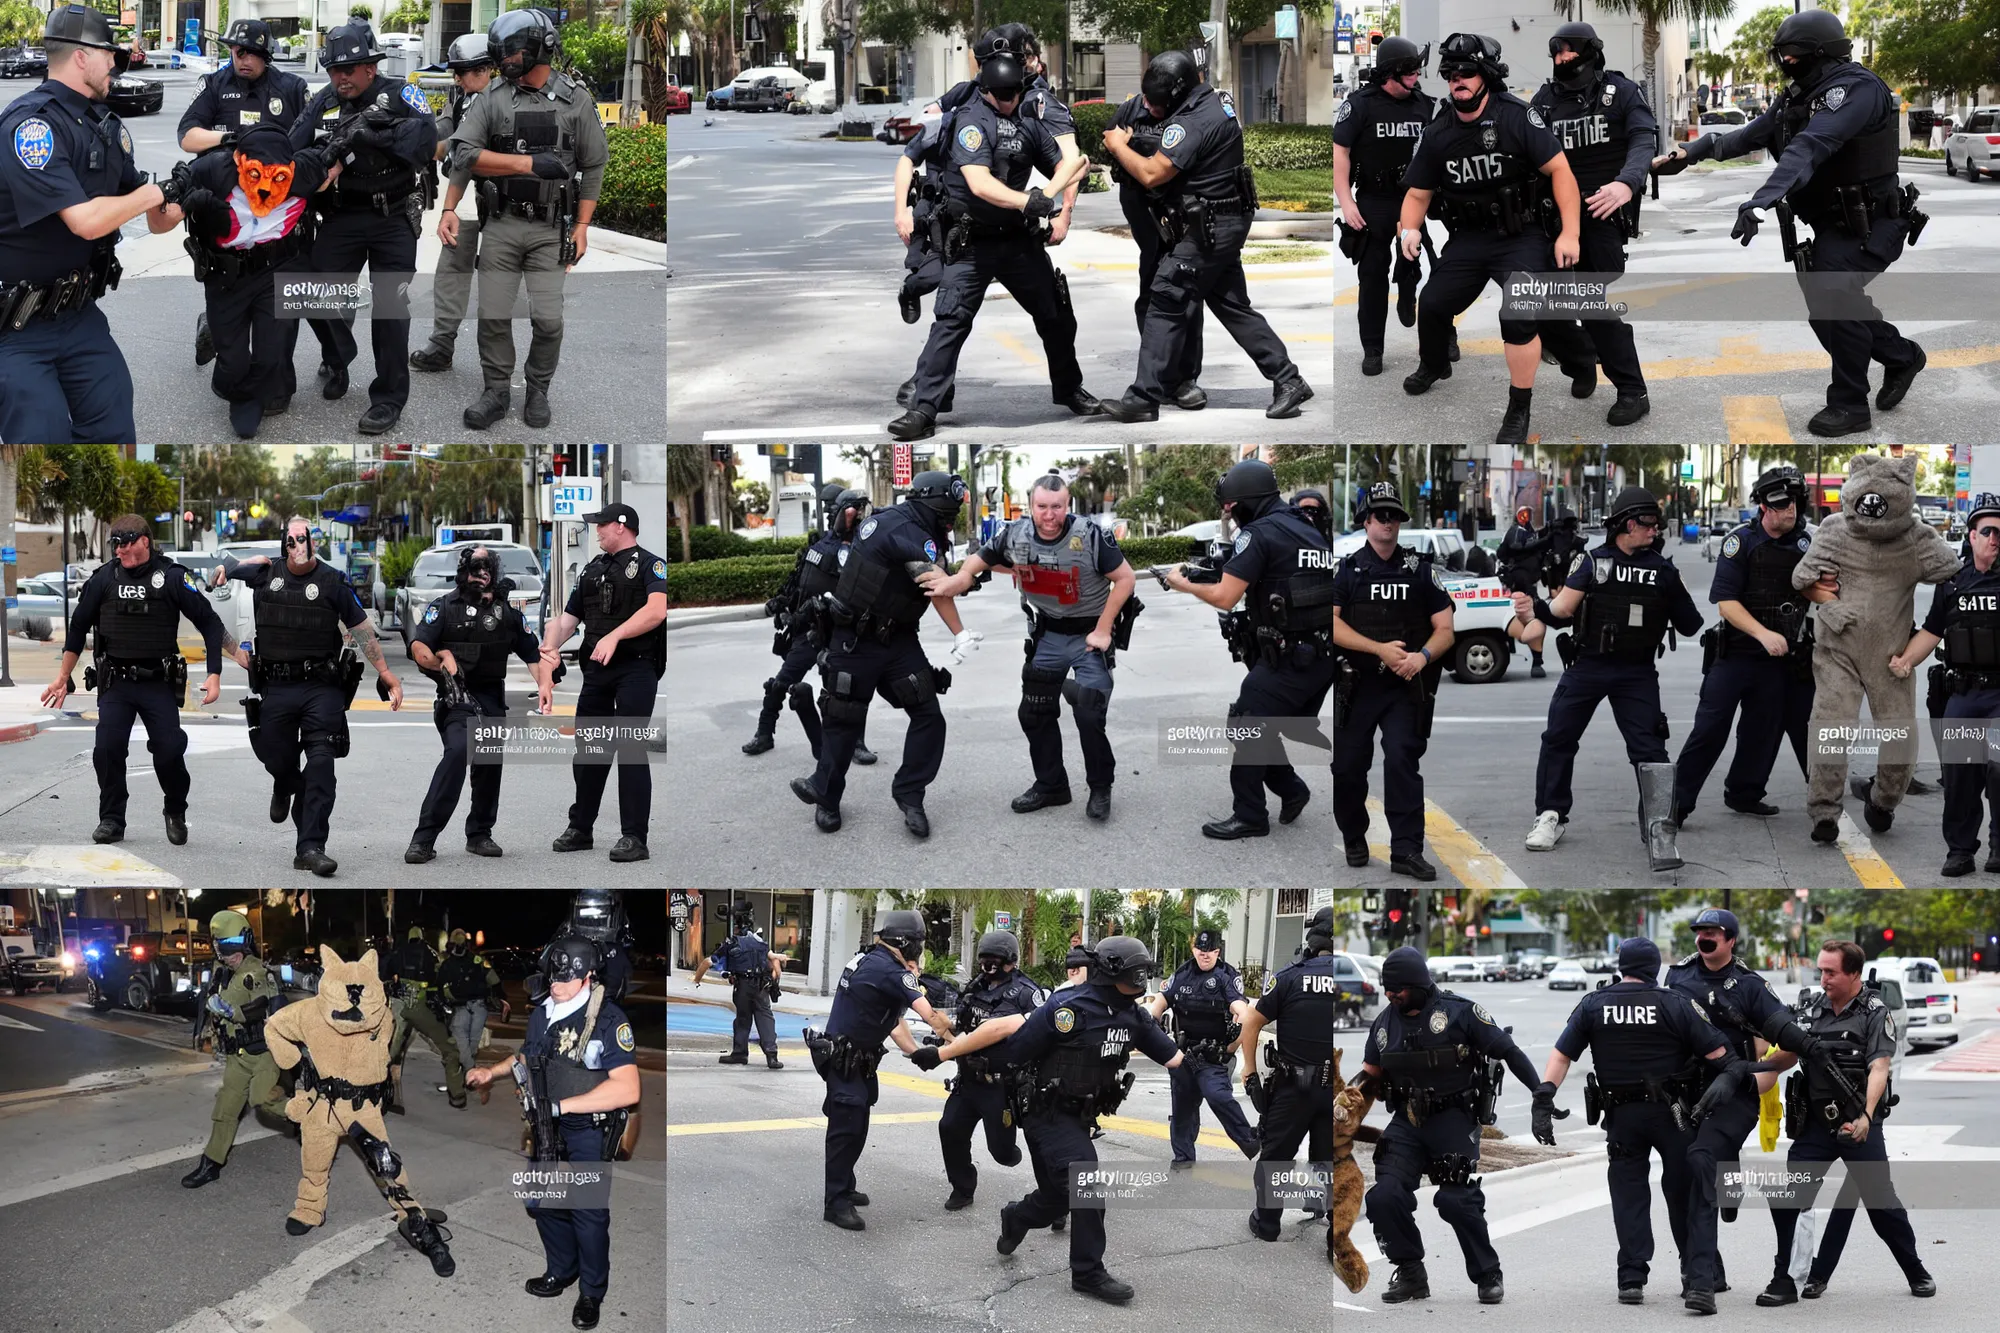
x,y
1075,584
1758,659
992,232
1857,1030
1965,618
472,67
1750,1019
306,682
814,576
578,1053
539,149
620,599
1608,136
873,613
1653,1053
1523,552
1564,542
1076,1044
1312,504
370,211
1392,617
981,1087
746,960
1374,134
240,994
1622,599
135,602
1833,132
416,966
876,986
1294,1100
463,644
1490,165
67,184
1205,199
245,92
1209,1007
1135,202
470,988
1433,1054
1286,566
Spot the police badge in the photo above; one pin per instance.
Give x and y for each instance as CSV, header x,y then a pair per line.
x,y
312,592
277,581
277,105
470,610
631,569
1411,561
1601,567
1609,96
1438,1020
159,579
1489,137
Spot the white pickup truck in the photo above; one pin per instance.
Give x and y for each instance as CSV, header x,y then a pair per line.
x,y
1481,606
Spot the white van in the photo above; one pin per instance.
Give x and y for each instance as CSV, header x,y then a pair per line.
x,y
793,511
1929,1002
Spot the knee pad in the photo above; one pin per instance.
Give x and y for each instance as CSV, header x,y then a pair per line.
x,y
914,693
1519,332
837,705
802,697
1041,693
774,692
1092,707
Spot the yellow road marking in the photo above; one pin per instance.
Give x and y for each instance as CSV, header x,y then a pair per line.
x,y
1862,858
1742,345
1018,348
1755,420
1465,856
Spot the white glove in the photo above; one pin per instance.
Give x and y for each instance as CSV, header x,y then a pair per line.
x,y
964,644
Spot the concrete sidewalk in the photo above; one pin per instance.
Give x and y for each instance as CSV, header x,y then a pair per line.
x,y
30,665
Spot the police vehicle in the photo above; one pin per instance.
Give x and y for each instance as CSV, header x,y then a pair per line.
x,y
436,573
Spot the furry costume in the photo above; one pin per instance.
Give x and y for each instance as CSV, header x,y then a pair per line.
x,y
1879,551
345,1030
1351,1104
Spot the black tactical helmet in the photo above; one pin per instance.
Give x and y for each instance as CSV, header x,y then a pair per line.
x,y
252,35
352,43
1470,53
1251,486
1405,967
1169,79
1121,959
999,944
1078,956
1397,56
846,500
1013,38
467,53
942,493
568,958
1582,39
1632,502
1567,518
903,931
1806,41
830,492
80,25
527,33
1781,480
595,913
1003,75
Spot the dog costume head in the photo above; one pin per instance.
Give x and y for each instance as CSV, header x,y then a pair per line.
x,y
1880,496
351,997
264,169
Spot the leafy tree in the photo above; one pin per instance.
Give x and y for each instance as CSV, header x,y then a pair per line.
x,y
1750,48
597,53
1949,47
1179,485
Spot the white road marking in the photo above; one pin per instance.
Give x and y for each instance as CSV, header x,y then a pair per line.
x,y
6,1022
799,432
112,1170
713,236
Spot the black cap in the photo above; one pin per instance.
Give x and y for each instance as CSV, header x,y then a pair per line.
x,y
1208,939
1718,918
1382,495
1405,967
1639,955
1983,504
618,513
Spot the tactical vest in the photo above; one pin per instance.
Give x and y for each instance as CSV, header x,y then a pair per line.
x,y
464,976
1058,579
819,568
138,621
532,131
1305,1029
611,591
1500,194
1972,634
1388,606
371,171
1429,1057
1200,1003
978,1003
1383,148
1623,617
261,103
1865,159
296,621
1293,596
244,1034
415,963
747,956
1846,1038
1634,1039
566,1040
1082,1068
1768,593
1593,140
869,583
478,636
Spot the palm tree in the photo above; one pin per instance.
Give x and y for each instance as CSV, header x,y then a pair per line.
x,y
1657,15
687,473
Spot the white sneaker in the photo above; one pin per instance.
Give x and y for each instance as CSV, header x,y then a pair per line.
x,y
1546,833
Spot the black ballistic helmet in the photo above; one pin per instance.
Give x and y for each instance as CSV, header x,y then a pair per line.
x,y
467,53
1632,502
1251,486
1319,930
252,35
830,492
1078,956
1121,959
1003,75
848,499
1782,480
1806,41
903,931
527,33
1582,39
942,493
1405,967
1470,53
80,25
1013,38
999,944
1169,79
1397,56
568,957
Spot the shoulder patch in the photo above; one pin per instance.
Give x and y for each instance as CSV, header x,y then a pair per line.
x,y
1699,1012
1576,562
1172,137
909,982
1228,102
624,1029
415,98
930,550
1836,97
34,143
1242,542
1479,1012
969,138
867,530
1731,545
1065,1019
1345,112
659,569
1535,119
431,614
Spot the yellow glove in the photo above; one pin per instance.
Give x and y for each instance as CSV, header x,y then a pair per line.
x,y
1770,1113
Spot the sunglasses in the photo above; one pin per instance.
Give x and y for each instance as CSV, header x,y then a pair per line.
x,y
1777,502
1385,516
1989,532
1455,71
1647,523
119,539
298,541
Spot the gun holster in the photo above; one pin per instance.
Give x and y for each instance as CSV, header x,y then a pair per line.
x,y
1711,647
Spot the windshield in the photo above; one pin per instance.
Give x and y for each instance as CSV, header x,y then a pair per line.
x,y
439,569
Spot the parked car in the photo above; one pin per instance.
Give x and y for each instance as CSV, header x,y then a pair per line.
x,y
131,96
1930,1002
1975,147
30,62
1568,975
1464,969
718,99
679,103
1727,115
1492,967
1360,997
41,598
816,96
25,970
1532,963
149,971
436,573
1481,605
765,88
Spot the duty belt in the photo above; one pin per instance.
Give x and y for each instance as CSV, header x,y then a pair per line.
x,y
1233,204
1318,1074
1047,624
386,202
23,301
235,265
320,671
1383,178
1964,680
354,1094
113,671
549,212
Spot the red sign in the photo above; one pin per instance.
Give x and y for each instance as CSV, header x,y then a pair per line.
x,y
902,471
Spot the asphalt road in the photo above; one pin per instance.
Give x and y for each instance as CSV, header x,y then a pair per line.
x,y
1479,780
750,1134
784,322
740,826
48,804
1716,379
611,383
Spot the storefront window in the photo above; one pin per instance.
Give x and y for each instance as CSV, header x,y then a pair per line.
x,y
791,929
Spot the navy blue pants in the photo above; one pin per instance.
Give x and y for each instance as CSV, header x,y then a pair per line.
x,y
1470,260
1853,343
1775,702
1293,1116
1602,245
64,381
1193,1082
799,659
846,1110
1189,277
349,240
1970,789
309,720
157,704
1056,1139
974,1103
1152,247
854,670
448,779
1382,702
1297,689
1718,1144
1632,1134
1633,689
626,691
1382,211
1885,1211
752,999
576,1242
1400,1161
1021,265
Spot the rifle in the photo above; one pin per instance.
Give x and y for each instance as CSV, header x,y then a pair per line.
x,y
528,1077
566,217
1201,569
218,978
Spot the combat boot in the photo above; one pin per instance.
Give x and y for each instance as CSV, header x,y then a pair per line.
x,y
535,408
428,1239
572,839
1286,398
915,424
759,743
1410,1283
434,358
1491,1289
205,1170
842,1215
1782,1291
490,407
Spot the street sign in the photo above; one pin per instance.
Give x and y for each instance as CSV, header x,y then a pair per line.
x,y
902,471
570,498
1003,921
7,555
1687,471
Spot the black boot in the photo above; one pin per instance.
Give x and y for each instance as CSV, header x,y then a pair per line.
x,y
316,860
428,1239
1034,798
1782,1291
915,424
759,743
1232,828
418,852
1896,381
1491,1289
1287,397
108,830
205,1170
572,839
1129,408
1104,1287
1410,1283
482,844
1628,409
1414,866
1420,380
1514,426
842,1215
177,830
1833,421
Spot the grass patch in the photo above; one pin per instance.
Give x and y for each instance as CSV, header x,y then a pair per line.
x,y
1296,190
1278,252
1923,152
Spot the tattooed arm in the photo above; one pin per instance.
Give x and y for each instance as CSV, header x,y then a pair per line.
x,y
369,644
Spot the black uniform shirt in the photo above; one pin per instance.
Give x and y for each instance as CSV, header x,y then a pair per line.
x,y
1306,993
651,575
1350,579
1452,1020
1204,141
227,101
1848,99
1093,1014
430,630
1454,154
1380,132
413,134
1009,146
333,585
1734,566
57,148
1638,1030
1606,130
178,583
874,991
1967,583
1682,613
1737,1001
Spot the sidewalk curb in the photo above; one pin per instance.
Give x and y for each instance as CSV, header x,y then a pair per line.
x,y
712,615
21,731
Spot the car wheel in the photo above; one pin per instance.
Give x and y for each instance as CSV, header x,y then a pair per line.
x,y
138,995
98,999
1949,169
1480,659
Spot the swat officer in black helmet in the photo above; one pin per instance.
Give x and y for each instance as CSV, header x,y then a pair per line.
x,y
753,973
981,1084
1392,617
1312,504
620,599
370,210
876,986
1137,115
797,611
1834,133
463,645
1654,1056
1210,1010
1205,199
1759,658
135,601
1609,137
1374,134
1622,598
872,618
1436,1057
1286,567
1487,168
1295,1099
1076,1045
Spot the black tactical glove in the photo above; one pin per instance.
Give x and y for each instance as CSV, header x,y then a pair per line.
x,y
1746,226
926,1057
1040,205
549,167
1726,1086
1546,1113
176,186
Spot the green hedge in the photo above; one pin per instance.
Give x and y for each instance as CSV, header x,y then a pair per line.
x,y
753,578
1143,551
634,197
713,543
1092,120
1288,147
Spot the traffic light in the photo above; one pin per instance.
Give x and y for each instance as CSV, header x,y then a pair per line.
x,y
1396,923
1888,935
